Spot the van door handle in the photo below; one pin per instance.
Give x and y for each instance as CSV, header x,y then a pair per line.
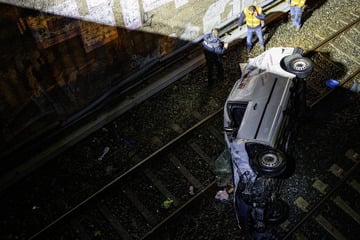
x,y
255,105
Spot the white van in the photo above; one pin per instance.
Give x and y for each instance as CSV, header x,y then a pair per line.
x,y
259,118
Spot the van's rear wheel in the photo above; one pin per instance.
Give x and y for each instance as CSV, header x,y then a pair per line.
x,y
300,66
270,163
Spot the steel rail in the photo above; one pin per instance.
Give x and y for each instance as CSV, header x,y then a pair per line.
x,y
348,79
180,209
69,129
349,173
323,200
128,172
330,38
310,52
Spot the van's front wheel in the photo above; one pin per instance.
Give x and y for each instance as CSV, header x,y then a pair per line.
x,y
270,163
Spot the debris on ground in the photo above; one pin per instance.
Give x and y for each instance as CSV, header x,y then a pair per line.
x,y
106,150
167,203
222,195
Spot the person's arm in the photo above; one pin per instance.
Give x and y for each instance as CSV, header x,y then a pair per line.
x,y
241,19
260,15
206,37
221,49
205,43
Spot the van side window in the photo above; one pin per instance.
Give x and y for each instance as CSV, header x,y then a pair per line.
x,y
237,111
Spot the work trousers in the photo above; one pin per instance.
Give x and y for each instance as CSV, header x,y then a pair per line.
x,y
214,63
250,33
296,14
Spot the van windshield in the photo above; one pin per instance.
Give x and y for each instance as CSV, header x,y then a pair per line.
x,y
236,112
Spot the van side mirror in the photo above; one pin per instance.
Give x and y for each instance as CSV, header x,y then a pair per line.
x,y
230,129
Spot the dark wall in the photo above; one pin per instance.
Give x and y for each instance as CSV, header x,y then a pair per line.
x,y
53,66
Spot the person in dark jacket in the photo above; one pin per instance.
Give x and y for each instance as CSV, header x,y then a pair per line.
x,y
254,18
214,48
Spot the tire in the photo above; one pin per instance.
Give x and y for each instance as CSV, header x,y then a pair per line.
x,y
277,211
269,163
298,65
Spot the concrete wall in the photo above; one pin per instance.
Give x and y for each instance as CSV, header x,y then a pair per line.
x,y
60,55
179,18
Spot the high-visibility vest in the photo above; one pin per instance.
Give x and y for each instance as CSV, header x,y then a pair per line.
x,y
299,3
251,20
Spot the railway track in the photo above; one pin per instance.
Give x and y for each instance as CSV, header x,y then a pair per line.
x,y
333,212
72,216
152,78
150,221
149,194
335,57
327,206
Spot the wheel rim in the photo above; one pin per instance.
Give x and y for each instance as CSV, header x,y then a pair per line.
x,y
270,160
299,65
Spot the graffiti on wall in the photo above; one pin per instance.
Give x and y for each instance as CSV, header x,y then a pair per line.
x,y
131,14
208,13
49,30
94,22
212,16
96,35
100,11
149,5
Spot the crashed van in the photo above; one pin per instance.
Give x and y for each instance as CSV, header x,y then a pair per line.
x,y
260,116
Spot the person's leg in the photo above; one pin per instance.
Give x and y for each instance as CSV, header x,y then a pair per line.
x,y
220,70
260,36
293,15
210,66
250,32
298,18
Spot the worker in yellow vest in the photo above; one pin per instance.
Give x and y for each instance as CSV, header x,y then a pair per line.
x,y
254,18
296,9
